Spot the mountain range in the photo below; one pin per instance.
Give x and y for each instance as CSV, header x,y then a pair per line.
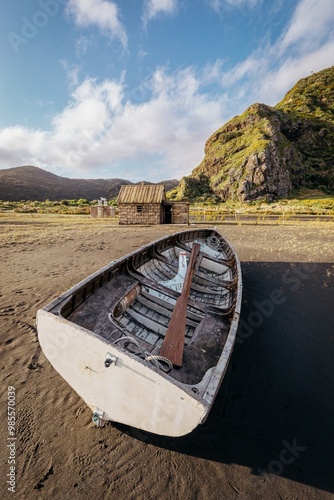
x,y
264,153
33,183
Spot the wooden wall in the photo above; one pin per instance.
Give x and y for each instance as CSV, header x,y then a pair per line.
x,y
150,213
180,213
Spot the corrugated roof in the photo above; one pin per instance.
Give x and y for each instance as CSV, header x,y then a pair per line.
x,y
142,194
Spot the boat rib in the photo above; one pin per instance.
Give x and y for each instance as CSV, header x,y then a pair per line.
x,y
124,311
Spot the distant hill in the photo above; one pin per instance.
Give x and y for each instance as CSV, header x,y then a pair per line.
x,y
267,152
33,183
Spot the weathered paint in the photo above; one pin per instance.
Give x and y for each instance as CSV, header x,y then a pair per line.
x,y
129,391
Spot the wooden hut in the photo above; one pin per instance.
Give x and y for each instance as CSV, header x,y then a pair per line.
x,y
147,204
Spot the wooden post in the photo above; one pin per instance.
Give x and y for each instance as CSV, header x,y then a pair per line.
x,y
173,344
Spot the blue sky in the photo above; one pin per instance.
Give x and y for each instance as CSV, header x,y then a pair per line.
x,y
133,88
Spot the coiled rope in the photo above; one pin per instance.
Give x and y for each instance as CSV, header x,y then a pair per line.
x,y
160,362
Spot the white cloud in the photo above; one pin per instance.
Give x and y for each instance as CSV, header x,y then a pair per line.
x,y
81,46
306,46
72,72
248,69
154,8
173,125
276,82
309,26
101,13
100,129
218,5
142,54
163,134
21,146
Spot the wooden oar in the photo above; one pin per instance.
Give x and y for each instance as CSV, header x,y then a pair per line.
x,y
172,346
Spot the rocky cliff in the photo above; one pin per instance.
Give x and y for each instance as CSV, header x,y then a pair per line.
x,y
268,151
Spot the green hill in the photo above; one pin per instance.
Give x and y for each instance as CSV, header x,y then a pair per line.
x,y
267,152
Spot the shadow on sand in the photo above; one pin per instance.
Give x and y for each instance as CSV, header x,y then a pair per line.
x,y
277,415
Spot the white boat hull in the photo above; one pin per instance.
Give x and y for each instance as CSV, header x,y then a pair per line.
x,y
129,391
123,387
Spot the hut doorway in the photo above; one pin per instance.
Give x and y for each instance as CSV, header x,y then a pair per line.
x,y
167,211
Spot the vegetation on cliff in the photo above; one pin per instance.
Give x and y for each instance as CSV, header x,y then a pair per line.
x,y
267,152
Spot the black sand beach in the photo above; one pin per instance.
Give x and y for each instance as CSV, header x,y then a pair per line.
x,y
270,434
277,419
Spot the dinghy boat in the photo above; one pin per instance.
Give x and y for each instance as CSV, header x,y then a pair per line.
x,y
146,340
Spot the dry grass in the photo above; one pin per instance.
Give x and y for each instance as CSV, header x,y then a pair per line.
x,y
260,239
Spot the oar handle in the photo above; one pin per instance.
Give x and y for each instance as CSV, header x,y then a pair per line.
x,y
173,344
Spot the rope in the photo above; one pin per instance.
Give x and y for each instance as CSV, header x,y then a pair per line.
x,y
160,362
130,340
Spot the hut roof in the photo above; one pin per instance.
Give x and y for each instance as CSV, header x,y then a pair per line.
x,y
142,194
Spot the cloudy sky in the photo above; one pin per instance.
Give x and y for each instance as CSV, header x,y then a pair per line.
x,y
133,88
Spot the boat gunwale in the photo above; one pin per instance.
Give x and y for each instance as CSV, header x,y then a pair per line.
x,y
116,263
212,382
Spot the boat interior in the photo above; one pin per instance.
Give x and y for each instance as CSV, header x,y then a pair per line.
x,y
130,303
